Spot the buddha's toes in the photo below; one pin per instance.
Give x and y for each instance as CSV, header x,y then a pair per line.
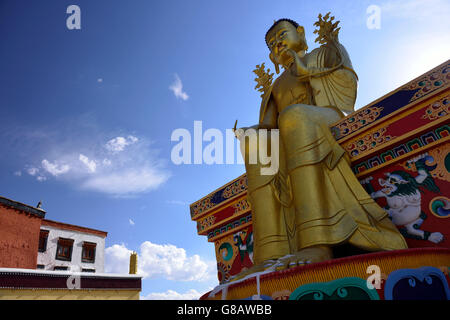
x,y
304,257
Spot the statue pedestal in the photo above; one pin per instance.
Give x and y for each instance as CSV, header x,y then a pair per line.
x,y
420,273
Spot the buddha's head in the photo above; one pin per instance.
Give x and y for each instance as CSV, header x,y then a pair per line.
x,y
285,34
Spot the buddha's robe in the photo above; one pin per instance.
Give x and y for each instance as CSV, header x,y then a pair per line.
x,y
314,198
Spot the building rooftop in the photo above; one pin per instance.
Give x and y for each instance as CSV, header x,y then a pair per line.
x,y
22,207
71,227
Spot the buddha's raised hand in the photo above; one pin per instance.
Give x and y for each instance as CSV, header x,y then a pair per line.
x,y
299,67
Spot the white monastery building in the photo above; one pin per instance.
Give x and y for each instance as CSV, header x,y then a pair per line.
x,y
68,247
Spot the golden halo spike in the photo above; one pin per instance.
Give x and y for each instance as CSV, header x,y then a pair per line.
x,y
235,124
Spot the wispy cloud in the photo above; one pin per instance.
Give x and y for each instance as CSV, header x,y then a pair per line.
x,y
127,181
131,222
35,172
54,168
103,167
118,144
177,89
90,164
32,171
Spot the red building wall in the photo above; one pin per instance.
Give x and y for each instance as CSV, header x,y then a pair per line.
x,y
19,238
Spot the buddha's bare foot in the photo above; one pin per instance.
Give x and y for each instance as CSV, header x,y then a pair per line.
x,y
302,257
254,269
305,256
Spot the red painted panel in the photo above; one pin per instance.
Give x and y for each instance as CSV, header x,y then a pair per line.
x,y
19,238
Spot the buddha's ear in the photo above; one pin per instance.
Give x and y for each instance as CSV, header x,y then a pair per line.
x,y
301,30
275,63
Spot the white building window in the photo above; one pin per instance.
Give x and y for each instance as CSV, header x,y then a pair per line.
x,y
64,250
88,253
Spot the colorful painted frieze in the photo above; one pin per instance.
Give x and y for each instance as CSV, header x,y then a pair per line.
x,y
414,92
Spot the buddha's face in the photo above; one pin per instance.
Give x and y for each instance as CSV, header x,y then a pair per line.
x,y
282,37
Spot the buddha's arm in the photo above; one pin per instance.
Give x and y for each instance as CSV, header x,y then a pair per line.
x,y
332,57
301,70
270,119
331,61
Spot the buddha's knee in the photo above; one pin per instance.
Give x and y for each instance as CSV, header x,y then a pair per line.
x,y
291,116
255,143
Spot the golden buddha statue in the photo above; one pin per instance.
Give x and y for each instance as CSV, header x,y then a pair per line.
x,y
313,202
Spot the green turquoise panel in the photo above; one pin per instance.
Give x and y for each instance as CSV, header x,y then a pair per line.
x,y
351,288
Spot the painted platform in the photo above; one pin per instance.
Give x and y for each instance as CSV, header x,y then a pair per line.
x,y
403,275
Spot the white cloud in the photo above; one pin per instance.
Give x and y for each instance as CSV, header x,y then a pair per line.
x,y
90,164
107,162
172,263
35,172
100,80
32,171
55,169
119,143
18,173
131,222
117,259
160,261
127,181
177,89
173,295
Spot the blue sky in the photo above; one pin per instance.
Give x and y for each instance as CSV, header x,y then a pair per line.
x,y
87,115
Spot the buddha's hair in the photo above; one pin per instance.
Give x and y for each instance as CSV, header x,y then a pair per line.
x,y
295,24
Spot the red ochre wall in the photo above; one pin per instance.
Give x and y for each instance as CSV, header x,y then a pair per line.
x,y
19,238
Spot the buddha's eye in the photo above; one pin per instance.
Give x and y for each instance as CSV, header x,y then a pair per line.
x,y
282,34
271,43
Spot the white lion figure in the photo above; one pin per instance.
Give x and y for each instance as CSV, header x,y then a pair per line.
x,y
403,195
